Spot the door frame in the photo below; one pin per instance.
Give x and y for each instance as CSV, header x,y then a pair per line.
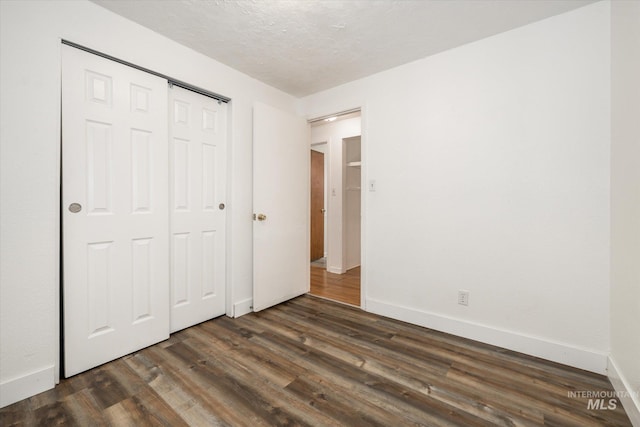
x,y
364,177
58,367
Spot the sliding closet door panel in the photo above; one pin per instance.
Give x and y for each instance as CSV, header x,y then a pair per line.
x,y
198,191
114,209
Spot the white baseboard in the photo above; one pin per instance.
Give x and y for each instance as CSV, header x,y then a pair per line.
x,y
349,267
630,398
586,359
243,307
335,270
28,385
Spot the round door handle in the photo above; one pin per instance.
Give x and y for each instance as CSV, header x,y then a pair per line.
x,y
221,206
262,217
75,207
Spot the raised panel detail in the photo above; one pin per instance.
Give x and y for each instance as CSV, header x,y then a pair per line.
x,y
181,174
208,177
98,287
180,268
141,171
99,167
99,88
139,98
181,113
208,263
141,278
210,120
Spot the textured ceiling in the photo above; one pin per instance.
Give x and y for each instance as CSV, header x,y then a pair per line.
x,y
305,46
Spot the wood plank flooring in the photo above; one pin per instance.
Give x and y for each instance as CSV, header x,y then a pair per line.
x,y
338,287
312,362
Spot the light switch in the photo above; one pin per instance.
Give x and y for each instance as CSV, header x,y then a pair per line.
x,y
372,185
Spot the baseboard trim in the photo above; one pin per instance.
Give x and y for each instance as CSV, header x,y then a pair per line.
x,y
586,359
335,270
630,399
28,385
243,307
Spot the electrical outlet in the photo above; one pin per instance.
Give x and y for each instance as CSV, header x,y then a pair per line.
x,y
463,297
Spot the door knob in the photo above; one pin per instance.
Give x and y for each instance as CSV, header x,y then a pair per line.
x,y
323,210
259,217
75,207
221,206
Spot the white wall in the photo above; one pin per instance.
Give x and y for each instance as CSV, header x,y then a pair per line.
x,y
491,162
30,144
333,133
624,368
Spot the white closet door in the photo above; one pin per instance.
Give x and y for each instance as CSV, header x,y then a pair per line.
x,y
198,216
114,209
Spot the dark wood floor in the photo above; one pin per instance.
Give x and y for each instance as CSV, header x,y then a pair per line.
x,y
312,362
338,287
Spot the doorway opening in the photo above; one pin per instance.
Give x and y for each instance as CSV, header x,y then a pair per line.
x,y
335,208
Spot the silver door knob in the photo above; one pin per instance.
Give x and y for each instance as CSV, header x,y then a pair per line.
x,y
221,206
75,207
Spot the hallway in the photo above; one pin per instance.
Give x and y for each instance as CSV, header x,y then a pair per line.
x,y
338,287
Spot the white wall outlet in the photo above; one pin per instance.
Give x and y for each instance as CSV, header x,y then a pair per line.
x,y
463,297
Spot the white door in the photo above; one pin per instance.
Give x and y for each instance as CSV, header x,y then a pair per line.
x,y
114,210
198,216
281,205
